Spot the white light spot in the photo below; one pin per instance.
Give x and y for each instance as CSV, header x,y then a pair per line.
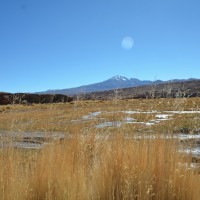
x,y
127,43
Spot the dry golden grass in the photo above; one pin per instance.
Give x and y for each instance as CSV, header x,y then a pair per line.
x,y
59,117
99,163
88,168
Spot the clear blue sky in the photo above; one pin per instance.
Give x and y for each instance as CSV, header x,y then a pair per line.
x,y
56,44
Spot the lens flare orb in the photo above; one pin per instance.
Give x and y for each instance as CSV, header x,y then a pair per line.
x,y
127,43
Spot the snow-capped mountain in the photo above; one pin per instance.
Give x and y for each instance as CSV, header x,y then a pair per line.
x,y
119,78
115,82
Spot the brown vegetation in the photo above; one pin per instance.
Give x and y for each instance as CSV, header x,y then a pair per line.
x,y
107,163
86,168
24,98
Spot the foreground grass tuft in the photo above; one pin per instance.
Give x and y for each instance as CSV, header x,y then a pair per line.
x,y
89,168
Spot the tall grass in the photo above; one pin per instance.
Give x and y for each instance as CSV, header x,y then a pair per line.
x,y
98,168
98,164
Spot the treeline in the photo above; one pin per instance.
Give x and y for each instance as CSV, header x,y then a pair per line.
x,y
24,98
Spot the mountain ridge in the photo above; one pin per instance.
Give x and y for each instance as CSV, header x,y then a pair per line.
x,y
180,89
115,82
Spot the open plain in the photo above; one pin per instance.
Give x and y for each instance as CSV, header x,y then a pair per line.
x,y
117,149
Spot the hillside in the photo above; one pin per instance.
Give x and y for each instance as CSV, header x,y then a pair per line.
x,y
175,89
116,82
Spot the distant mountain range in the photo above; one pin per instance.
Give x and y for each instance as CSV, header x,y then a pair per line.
x,y
116,82
176,89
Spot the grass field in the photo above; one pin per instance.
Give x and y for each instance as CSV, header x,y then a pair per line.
x,y
109,150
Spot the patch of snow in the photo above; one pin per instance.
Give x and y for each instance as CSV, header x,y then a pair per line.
x,y
184,112
154,121
129,119
139,112
194,151
96,113
186,136
91,115
109,124
149,123
163,117
130,112
120,78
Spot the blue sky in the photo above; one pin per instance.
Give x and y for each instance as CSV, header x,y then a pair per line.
x,y
56,44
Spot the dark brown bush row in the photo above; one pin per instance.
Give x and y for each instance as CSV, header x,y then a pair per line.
x,y
23,98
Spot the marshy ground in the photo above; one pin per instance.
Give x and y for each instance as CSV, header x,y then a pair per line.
x,y
119,149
